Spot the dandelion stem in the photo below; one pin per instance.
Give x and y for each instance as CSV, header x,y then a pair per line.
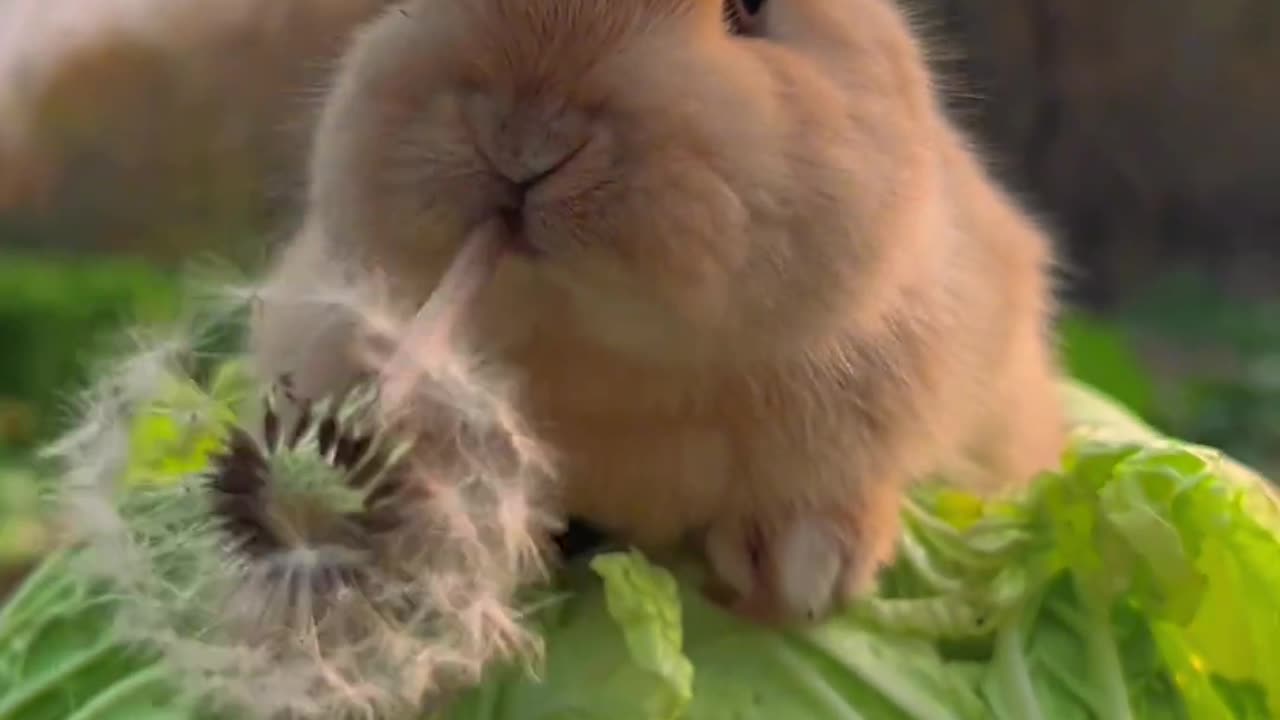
x,y
429,333
43,580
10,708
120,691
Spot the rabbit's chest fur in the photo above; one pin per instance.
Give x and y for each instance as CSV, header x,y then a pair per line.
x,y
653,454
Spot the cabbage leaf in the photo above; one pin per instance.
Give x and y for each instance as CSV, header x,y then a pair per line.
x,y
1140,580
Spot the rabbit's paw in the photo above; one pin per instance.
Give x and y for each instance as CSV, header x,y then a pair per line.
x,y
799,565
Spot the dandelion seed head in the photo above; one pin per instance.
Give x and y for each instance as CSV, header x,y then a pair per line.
x,y
338,557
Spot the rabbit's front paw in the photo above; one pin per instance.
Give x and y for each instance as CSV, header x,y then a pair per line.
x,y
798,565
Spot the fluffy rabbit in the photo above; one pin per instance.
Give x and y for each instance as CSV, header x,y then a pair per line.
x,y
755,281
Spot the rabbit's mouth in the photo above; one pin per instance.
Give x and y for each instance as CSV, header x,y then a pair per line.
x,y
516,240
523,185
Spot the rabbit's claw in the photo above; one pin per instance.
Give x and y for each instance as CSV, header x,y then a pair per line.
x,y
798,566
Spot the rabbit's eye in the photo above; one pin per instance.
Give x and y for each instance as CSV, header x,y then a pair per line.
x,y
741,16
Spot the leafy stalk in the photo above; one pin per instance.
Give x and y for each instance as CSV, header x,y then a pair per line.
x,y
1009,672
1104,657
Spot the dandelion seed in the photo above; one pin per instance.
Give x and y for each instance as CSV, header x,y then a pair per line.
x,y
346,560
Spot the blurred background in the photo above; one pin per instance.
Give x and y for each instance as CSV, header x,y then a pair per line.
x,y
138,135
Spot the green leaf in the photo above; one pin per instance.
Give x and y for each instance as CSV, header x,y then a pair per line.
x,y
1103,357
1138,505
177,435
1137,581
1236,629
615,653
644,601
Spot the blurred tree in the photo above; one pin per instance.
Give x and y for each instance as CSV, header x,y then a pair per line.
x,y
1144,130
180,137
141,165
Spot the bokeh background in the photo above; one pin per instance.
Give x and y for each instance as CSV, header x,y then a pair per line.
x,y
139,135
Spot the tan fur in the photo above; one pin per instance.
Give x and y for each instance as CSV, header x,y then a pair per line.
x,y
777,285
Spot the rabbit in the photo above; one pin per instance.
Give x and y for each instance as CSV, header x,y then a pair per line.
x,y
755,282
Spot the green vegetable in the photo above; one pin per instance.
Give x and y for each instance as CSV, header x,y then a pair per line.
x,y
59,659
1139,581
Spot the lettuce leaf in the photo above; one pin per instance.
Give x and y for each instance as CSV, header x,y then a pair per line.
x,y
1139,580
617,653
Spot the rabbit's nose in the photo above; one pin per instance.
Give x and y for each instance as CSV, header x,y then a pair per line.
x,y
524,183
512,210
529,168
524,140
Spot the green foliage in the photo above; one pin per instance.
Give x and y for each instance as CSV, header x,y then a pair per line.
x,y
1137,582
1102,355
59,659
1224,386
57,314
1196,363
163,450
22,528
